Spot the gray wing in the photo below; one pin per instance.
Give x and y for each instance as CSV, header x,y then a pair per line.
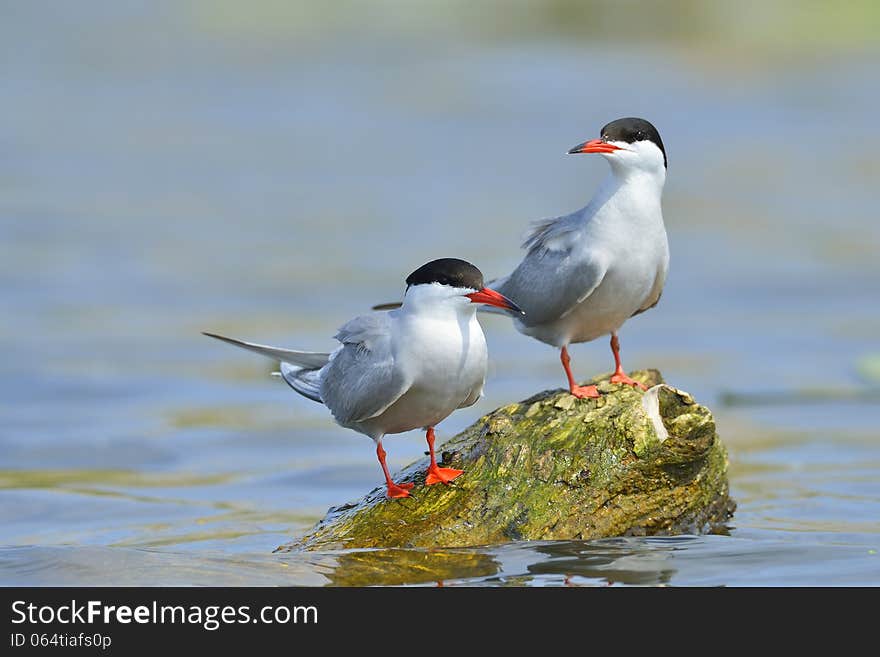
x,y
362,378
548,284
657,289
553,277
473,398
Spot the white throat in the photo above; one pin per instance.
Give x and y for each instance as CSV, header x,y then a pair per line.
x,y
439,301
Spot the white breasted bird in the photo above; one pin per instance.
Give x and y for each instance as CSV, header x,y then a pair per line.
x,y
586,273
405,369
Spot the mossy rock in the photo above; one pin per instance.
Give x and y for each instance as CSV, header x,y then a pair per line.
x,y
555,467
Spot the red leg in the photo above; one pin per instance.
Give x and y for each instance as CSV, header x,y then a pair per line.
x,y
619,375
581,392
393,489
436,474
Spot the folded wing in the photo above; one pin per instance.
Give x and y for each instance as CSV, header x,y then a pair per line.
x,y
362,378
549,284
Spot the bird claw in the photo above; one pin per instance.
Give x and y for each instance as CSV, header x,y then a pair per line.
x,y
441,476
620,377
396,491
584,392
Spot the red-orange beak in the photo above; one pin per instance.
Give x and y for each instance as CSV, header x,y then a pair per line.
x,y
594,146
492,298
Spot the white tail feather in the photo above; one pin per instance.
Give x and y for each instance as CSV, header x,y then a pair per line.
x,y
306,382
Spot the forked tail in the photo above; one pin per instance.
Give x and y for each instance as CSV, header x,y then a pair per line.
x,y
300,369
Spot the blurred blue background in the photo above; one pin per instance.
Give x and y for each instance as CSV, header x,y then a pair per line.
x,y
268,170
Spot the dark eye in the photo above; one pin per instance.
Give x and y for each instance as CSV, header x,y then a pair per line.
x,y
640,135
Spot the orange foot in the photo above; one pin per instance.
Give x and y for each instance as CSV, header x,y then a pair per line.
x,y
620,377
396,491
438,475
585,392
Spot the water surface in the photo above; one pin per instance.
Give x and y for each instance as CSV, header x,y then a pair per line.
x,y
185,168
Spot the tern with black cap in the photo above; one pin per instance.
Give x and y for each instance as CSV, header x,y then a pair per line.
x,y
586,273
402,370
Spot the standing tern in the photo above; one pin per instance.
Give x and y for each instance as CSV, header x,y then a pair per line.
x,y
405,369
586,273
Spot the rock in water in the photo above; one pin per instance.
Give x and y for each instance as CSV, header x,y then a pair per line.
x,y
556,467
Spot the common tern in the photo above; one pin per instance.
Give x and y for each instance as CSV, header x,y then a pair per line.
x,y
405,369
586,273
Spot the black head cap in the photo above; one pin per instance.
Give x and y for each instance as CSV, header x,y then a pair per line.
x,y
448,271
631,130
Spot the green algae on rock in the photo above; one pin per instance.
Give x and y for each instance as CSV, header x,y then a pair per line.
x,y
556,467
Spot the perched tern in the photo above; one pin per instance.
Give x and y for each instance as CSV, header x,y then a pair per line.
x,y
586,273
405,369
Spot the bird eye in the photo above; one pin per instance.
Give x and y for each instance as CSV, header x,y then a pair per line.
x,y
640,135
